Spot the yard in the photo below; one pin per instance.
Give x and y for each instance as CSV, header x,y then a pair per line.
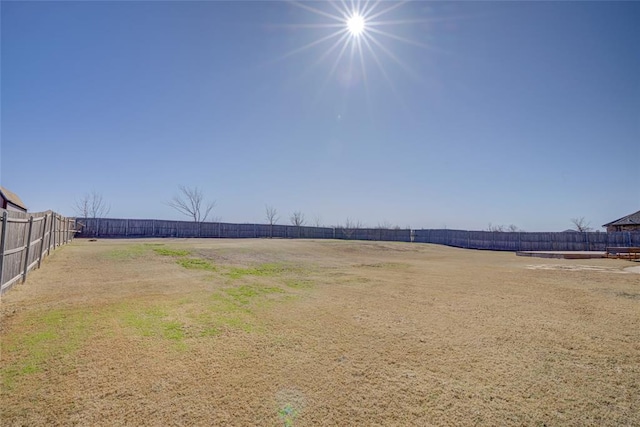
x,y
300,332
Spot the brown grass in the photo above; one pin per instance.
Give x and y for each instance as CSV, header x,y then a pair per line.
x,y
299,333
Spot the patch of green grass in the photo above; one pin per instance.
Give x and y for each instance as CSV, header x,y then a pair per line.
x,y
50,337
171,252
299,284
221,302
196,264
245,294
211,331
154,322
269,269
173,331
148,322
233,308
224,313
384,265
128,252
288,414
237,323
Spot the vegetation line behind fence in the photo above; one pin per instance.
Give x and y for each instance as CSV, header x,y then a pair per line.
x,y
25,239
490,240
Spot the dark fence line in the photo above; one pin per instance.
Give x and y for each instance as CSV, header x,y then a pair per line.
x,y
490,240
112,227
25,239
526,241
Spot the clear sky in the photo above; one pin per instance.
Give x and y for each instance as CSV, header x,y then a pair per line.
x,y
447,114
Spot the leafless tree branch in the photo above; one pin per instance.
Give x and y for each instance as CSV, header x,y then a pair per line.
x,y
271,214
91,205
581,224
384,225
350,226
496,228
190,202
297,219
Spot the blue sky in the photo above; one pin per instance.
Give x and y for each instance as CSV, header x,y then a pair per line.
x,y
461,114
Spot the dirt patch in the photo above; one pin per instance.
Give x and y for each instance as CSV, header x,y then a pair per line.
x,y
571,267
299,333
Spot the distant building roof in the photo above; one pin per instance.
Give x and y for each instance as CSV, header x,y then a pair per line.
x,y
12,198
633,219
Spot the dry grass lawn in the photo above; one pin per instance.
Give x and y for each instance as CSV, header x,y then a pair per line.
x,y
301,333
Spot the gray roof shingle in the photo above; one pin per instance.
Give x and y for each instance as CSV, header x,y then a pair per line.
x,y
633,219
12,198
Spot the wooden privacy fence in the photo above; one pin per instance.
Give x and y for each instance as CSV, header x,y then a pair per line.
x,y
491,240
525,241
25,239
111,227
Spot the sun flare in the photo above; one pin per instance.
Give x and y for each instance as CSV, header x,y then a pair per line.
x,y
355,24
353,38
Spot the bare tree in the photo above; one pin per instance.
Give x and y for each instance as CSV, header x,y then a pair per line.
x,y
190,202
581,224
513,228
384,225
271,214
297,219
350,226
317,221
496,228
91,205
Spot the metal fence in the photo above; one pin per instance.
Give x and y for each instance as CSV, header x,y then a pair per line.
x,y
25,239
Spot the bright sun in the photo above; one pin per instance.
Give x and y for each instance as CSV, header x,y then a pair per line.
x,y
355,24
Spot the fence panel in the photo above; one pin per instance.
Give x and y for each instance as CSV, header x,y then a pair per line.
x,y
25,238
489,240
525,241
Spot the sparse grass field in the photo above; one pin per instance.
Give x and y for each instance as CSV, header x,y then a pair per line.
x,y
300,333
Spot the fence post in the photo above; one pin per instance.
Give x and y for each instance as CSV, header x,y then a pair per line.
x,y
55,230
519,241
586,239
2,243
50,236
44,232
26,255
